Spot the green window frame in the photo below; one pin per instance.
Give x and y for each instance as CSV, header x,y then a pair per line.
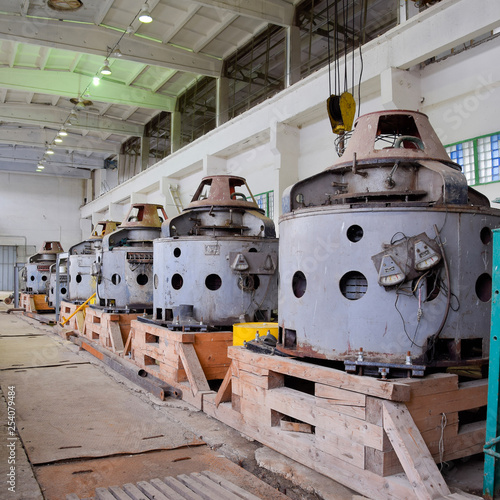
x,y
479,158
266,202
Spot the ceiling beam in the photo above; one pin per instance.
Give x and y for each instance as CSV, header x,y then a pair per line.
x,y
29,168
225,21
88,39
102,11
273,12
36,137
169,34
52,117
33,155
70,85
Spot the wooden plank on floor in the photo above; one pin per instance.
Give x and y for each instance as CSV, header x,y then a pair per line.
x,y
151,492
104,494
219,490
181,489
410,447
134,492
119,494
229,486
213,490
194,371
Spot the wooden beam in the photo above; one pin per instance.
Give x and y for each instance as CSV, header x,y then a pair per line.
x,y
394,391
194,371
410,447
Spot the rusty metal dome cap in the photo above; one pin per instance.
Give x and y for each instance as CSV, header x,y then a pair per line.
x,y
144,215
108,226
392,135
50,248
221,191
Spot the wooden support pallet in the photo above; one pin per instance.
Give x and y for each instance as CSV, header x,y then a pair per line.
x,y
35,303
185,360
110,330
77,322
359,431
195,486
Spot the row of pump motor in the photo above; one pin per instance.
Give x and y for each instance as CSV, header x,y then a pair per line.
x,y
210,267
384,258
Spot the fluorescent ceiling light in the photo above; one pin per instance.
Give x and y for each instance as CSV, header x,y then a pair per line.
x,y
63,132
58,139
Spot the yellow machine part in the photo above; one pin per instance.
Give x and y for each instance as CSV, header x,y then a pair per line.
x,y
247,331
341,111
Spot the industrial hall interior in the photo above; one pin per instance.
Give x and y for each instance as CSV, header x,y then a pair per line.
x,y
249,249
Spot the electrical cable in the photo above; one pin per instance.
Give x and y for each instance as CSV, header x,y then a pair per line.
x,y
328,45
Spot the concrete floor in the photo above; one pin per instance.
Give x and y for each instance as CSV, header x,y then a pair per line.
x,y
226,452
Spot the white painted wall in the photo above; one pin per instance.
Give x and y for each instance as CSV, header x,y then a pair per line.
x,y
45,210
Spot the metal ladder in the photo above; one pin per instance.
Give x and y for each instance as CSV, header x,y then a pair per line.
x,y
174,192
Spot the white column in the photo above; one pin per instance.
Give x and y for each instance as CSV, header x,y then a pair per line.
x,y
145,143
115,212
213,165
400,89
175,131
86,228
293,61
286,148
138,198
222,101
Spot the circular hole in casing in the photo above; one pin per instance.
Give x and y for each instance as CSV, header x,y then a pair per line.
x,y
116,279
353,285
486,235
213,282
177,281
354,233
142,279
142,373
177,252
63,291
483,287
78,278
32,278
299,284
44,278
253,250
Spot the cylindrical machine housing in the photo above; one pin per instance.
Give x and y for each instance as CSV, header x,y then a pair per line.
x,y
386,256
124,265
82,256
216,263
37,270
63,283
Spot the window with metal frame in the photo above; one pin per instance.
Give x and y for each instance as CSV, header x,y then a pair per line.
x,y
266,202
479,158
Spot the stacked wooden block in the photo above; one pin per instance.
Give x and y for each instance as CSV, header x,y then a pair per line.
x,y
34,303
76,322
187,360
356,430
110,330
